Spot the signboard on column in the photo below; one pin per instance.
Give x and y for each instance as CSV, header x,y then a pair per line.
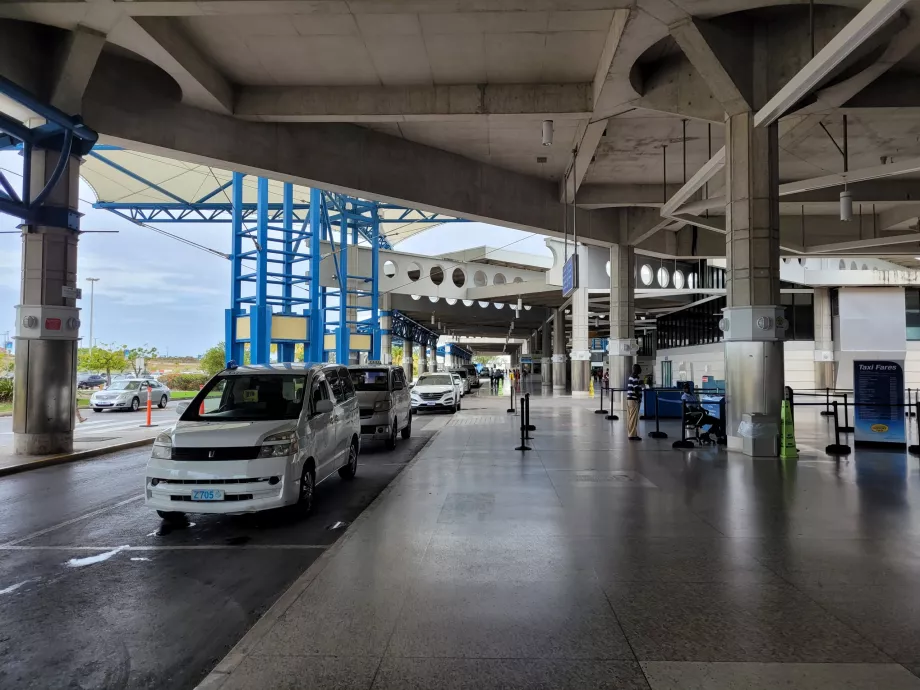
x,y
879,412
570,276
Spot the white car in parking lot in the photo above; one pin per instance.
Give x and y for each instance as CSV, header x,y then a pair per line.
x,y
256,438
129,394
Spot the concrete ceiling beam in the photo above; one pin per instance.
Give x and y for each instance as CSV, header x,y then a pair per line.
x,y
869,20
676,88
908,213
76,63
875,172
162,40
591,136
721,59
613,195
863,244
695,183
413,103
133,104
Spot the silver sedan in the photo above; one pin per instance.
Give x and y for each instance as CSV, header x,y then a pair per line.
x,y
129,394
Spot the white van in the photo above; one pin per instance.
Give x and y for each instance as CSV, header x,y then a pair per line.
x,y
255,438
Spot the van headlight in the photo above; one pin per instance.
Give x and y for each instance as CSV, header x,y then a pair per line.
x,y
382,405
162,447
279,445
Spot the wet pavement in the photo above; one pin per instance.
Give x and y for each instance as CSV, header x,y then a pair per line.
x,y
97,592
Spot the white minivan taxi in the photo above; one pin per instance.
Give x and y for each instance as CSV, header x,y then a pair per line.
x,y
256,438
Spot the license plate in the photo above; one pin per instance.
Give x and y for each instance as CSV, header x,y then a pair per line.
x,y
207,495
431,404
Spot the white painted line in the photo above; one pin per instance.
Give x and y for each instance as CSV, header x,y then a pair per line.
x,y
71,521
171,547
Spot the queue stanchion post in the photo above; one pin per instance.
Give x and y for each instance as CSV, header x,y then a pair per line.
x,y
846,428
511,395
837,448
909,412
826,412
657,433
600,403
523,447
683,443
525,411
611,417
915,449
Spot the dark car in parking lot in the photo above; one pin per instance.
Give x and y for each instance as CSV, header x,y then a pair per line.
x,y
91,381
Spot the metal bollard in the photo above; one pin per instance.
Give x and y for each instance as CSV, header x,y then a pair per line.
x,y
915,449
528,427
908,412
523,445
657,433
683,443
846,428
511,395
150,407
611,417
837,448
826,412
600,403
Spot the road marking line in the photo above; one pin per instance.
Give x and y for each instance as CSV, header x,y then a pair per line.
x,y
168,547
71,521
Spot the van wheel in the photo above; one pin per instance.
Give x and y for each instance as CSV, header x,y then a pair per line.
x,y
351,469
172,516
391,441
307,491
407,432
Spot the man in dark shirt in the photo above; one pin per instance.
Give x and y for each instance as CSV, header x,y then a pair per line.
x,y
633,397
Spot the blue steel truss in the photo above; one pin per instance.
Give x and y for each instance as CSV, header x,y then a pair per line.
x,y
275,255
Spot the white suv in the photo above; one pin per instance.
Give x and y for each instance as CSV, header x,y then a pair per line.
x,y
256,438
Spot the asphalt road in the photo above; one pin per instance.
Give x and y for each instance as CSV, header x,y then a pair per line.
x,y
163,610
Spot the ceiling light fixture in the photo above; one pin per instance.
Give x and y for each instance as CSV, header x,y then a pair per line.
x,y
846,205
547,132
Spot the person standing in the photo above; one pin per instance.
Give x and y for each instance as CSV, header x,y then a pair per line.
x,y
633,398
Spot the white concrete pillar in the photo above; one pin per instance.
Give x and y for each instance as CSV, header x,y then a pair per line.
x,y
753,322
408,364
559,355
581,344
433,358
622,345
45,374
386,321
546,362
422,358
825,366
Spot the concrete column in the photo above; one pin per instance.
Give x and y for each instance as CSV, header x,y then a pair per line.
x,y
422,358
581,344
546,362
824,340
525,346
45,377
622,346
433,358
559,374
753,322
386,322
408,364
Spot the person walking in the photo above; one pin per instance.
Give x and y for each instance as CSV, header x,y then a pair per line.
x,y
633,397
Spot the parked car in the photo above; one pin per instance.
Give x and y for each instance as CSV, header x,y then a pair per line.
x,y
472,374
129,394
85,381
484,373
458,386
464,377
256,438
435,391
383,402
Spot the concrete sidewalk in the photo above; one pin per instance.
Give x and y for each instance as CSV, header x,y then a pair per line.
x,y
592,561
101,433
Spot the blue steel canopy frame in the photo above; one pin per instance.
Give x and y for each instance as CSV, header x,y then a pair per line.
x,y
61,132
287,236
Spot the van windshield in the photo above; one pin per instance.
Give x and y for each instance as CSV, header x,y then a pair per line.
x,y
462,373
369,379
435,380
248,397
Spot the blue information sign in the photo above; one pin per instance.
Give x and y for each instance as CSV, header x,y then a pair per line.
x,y
570,275
879,391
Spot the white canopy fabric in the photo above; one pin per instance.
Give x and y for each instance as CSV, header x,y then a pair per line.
x,y
190,182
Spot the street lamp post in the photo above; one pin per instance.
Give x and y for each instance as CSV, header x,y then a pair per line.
x,y
92,293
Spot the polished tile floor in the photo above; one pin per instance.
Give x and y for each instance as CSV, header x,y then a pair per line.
x,y
593,562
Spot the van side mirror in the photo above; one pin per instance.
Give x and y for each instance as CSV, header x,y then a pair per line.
x,y
398,386
322,407
182,406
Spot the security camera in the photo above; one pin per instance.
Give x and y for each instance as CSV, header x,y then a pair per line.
x,y
547,132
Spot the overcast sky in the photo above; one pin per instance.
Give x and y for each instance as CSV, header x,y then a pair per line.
x,y
155,290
